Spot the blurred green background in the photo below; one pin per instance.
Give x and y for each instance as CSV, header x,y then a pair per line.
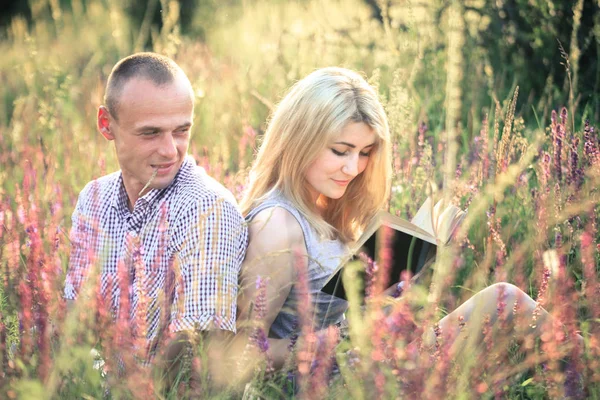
x,y
446,71
437,62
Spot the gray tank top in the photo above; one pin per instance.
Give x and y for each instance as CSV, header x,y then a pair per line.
x,y
324,256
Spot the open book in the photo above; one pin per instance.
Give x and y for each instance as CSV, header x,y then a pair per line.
x,y
412,245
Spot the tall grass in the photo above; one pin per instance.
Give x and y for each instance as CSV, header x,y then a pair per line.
x,y
530,186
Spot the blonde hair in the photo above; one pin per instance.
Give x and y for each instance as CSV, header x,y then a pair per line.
x,y
310,116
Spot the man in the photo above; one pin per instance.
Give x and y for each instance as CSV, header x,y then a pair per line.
x,y
169,240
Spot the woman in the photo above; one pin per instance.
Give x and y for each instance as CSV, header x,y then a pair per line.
x,y
322,172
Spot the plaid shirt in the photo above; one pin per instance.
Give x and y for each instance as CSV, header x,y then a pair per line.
x,y
175,258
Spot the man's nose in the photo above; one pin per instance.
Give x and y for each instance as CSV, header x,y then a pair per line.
x,y
168,146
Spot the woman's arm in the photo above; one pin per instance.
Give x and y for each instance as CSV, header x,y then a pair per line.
x,y
276,247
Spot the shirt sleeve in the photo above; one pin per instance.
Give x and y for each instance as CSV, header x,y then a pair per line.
x,y
210,240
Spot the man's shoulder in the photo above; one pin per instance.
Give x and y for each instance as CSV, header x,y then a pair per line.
x,y
99,188
197,186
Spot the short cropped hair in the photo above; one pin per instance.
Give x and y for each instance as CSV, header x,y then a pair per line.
x,y
313,113
156,68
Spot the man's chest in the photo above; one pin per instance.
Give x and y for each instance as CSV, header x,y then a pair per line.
x,y
138,248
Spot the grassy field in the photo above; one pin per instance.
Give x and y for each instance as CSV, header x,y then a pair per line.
x,y
530,186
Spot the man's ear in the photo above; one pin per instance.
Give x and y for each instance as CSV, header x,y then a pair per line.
x,y
104,123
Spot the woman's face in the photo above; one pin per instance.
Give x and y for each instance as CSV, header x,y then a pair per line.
x,y
342,160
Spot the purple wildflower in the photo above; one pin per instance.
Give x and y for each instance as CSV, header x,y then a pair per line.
x,y
260,339
421,139
575,171
260,303
385,257
558,135
370,273
589,145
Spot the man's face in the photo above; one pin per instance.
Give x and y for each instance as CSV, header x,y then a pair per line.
x,y
152,132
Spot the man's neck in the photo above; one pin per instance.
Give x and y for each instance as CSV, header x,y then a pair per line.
x,y
131,201
133,193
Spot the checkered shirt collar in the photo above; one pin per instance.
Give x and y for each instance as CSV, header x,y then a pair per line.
x,y
119,194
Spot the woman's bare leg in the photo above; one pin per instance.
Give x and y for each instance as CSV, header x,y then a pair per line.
x,y
499,306
482,328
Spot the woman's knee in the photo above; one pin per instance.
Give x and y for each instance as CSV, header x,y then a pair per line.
x,y
503,291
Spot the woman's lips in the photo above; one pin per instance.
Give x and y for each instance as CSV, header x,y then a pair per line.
x,y
341,183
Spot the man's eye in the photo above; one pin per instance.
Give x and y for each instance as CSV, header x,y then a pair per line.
x,y
150,133
338,153
182,131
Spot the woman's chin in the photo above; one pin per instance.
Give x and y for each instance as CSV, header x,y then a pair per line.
x,y
335,195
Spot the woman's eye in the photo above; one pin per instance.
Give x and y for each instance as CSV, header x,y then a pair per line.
x,y
365,154
338,153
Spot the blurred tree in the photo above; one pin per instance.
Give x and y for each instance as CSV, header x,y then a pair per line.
x,y
13,8
138,11
526,42
375,6
521,41
527,36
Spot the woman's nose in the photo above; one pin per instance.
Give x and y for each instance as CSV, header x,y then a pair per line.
x,y
351,166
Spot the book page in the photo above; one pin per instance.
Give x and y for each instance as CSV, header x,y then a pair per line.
x,y
407,248
408,227
447,222
423,218
438,221
396,223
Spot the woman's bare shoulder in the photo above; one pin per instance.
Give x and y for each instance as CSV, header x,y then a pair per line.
x,y
275,228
